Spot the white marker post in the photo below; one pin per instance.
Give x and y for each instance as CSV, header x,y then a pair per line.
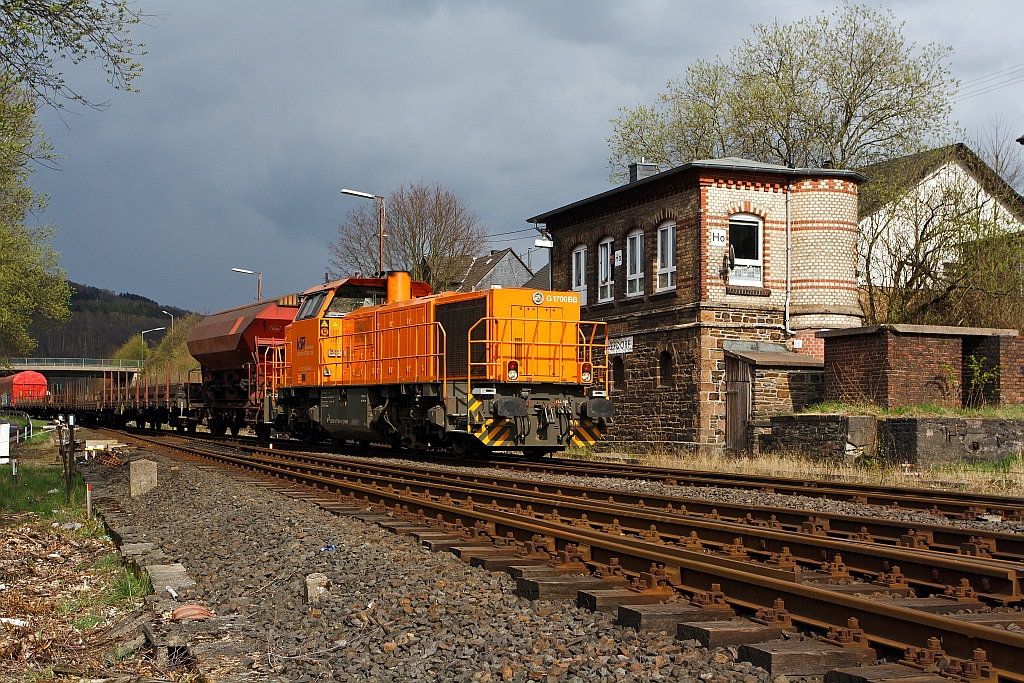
x,y
88,501
5,443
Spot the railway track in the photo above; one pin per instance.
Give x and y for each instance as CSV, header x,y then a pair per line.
x,y
941,503
888,585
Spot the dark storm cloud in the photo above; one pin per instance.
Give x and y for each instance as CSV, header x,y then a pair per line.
x,y
253,116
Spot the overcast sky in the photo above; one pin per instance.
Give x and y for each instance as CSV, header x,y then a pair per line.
x,y
253,115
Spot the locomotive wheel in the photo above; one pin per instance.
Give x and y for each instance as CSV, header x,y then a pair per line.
x,y
263,432
234,429
218,428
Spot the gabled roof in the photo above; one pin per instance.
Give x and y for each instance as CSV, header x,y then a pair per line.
x,y
726,164
904,173
479,267
540,279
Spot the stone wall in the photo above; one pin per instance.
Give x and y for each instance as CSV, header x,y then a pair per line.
x,y
922,441
785,390
836,437
931,441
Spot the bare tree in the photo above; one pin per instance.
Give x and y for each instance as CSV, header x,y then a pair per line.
x,y
430,232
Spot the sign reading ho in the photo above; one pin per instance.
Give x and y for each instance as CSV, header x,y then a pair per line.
x,y
719,238
620,346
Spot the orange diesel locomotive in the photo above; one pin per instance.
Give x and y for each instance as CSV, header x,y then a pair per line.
x,y
387,361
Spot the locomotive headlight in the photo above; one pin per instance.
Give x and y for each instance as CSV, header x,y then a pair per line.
x,y
586,374
513,370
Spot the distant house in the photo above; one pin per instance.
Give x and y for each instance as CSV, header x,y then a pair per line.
x,y
923,204
541,279
501,267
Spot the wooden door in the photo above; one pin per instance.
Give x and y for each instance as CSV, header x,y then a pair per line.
x,y
737,403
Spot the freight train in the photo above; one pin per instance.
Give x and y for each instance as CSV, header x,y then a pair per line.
x,y
385,360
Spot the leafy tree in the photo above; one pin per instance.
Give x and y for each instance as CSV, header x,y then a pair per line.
x,y
171,355
32,283
134,349
36,34
841,89
430,230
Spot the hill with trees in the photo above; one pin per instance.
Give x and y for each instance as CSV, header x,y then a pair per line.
x,y
101,322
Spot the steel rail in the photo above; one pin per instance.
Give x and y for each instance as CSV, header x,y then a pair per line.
x,y
938,537
808,605
949,503
931,572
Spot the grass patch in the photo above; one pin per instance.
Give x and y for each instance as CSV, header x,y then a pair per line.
x,y
118,586
1014,412
33,493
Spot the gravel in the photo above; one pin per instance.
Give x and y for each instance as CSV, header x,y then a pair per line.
x,y
393,611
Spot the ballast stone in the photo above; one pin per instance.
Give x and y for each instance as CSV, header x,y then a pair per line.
x,y
315,586
141,477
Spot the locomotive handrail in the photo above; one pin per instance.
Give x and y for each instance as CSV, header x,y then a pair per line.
x,y
370,367
567,343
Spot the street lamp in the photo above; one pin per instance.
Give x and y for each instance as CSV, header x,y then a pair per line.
x,y
380,219
172,319
155,329
259,280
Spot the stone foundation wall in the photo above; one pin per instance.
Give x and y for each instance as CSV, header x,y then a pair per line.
x,y
923,441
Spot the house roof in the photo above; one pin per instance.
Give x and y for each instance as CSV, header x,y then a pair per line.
x,y
777,359
726,164
905,172
540,279
476,269
933,330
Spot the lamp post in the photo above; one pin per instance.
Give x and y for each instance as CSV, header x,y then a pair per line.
x,y
380,221
172,319
155,329
259,280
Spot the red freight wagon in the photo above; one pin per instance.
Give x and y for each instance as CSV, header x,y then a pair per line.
x,y
24,385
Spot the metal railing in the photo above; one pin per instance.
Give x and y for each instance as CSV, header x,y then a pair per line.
x,y
74,363
544,350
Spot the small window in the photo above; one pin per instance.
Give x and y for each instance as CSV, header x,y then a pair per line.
x,y
311,306
666,371
667,256
605,271
745,251
579,273
635,263
618,373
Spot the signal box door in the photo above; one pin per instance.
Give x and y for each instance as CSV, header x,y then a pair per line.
x,y
737,402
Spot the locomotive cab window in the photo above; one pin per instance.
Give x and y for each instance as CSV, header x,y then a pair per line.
x,y
348,299
311,306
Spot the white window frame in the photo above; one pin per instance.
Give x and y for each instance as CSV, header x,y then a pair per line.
x,y
606,270
666,261
743,269
579,273
635,263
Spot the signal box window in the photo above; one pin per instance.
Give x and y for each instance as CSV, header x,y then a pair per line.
x,y
311,306
605,271
745,251
579,273
667,256
666,369
618,373
635,263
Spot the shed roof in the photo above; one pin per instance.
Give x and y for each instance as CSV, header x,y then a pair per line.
x,y
933,330
777,359
726,164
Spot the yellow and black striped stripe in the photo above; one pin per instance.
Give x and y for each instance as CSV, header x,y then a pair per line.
x,y
585,433
494,432
474,409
